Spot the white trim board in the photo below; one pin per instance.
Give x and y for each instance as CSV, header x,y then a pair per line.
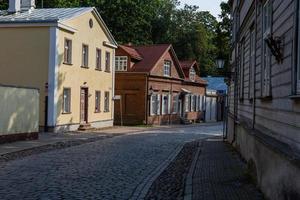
x,y
53,77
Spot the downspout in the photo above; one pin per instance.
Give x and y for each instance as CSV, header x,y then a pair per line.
x,y
254,76
113,86
295,50
147,100
236,78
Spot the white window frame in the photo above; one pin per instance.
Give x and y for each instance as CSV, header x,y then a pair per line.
x,y
197,103
167,68
66,100
200,103
175,103
165,104
155,104
192,74
193,103
121,63
187,103
266,55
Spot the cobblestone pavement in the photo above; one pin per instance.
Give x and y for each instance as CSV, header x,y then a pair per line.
x,y
219,173
106,169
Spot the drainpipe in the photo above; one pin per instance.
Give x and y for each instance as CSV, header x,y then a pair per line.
x,y
254,77
296,51
236,78
146,101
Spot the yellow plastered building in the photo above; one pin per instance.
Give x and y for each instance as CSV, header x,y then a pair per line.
x,y
68,54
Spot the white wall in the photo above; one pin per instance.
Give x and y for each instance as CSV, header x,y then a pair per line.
x,y
19,110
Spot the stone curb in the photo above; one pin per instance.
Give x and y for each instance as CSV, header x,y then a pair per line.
x,y
188,190
143,188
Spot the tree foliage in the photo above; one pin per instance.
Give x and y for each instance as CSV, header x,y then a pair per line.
x,y
195,34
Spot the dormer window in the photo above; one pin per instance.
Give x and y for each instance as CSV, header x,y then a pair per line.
x,y
192,74
167,68
121,63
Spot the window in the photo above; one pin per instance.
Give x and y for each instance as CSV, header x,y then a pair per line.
x,y
266,68
121,63
197,103
106,102
187,103
167,68
200,103
192,103
192,74
97,101
166,104
242,66
107,61
85,55
98,59
175,103
67,100
68,52
155,104
252,63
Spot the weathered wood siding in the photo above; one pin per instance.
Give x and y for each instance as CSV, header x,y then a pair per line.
x,y
278,116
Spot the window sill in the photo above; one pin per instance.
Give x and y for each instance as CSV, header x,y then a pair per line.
x,y
66,113
106,111
97,112
85,67
108,71
295,97
97,69
266,98
70,64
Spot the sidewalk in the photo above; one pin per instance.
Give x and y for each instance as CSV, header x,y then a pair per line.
x,y
217,172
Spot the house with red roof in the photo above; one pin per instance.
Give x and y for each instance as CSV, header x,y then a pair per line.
x,y
155,87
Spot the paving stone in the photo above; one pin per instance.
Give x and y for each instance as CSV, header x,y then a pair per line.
x,y
104,169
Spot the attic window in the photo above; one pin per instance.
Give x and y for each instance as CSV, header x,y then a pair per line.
x,y
121,63
167,68
192,74
91,23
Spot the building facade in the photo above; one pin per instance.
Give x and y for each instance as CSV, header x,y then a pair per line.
x,y
68,54
264,93
155,88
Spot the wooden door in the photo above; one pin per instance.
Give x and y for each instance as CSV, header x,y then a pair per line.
x,y
84,105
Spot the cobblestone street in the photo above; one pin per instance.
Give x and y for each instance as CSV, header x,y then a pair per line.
x,y
116,168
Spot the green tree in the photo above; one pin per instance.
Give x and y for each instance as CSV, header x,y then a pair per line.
x,y
223,36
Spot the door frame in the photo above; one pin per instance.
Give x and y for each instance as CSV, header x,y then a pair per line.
x,y
86,105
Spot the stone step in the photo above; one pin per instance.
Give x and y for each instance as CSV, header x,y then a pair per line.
x,y
85,127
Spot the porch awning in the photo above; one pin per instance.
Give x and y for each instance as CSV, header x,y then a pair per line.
x,y
185,91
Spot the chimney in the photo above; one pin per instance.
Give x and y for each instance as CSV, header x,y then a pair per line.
x,y
27,5
14,6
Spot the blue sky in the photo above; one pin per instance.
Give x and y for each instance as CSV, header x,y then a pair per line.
x,y
206,5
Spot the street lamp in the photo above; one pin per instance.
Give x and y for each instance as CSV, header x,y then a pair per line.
x,y
220,63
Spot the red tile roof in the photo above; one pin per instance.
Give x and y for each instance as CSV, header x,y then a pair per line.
x,y
151,55
132,52
186,65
